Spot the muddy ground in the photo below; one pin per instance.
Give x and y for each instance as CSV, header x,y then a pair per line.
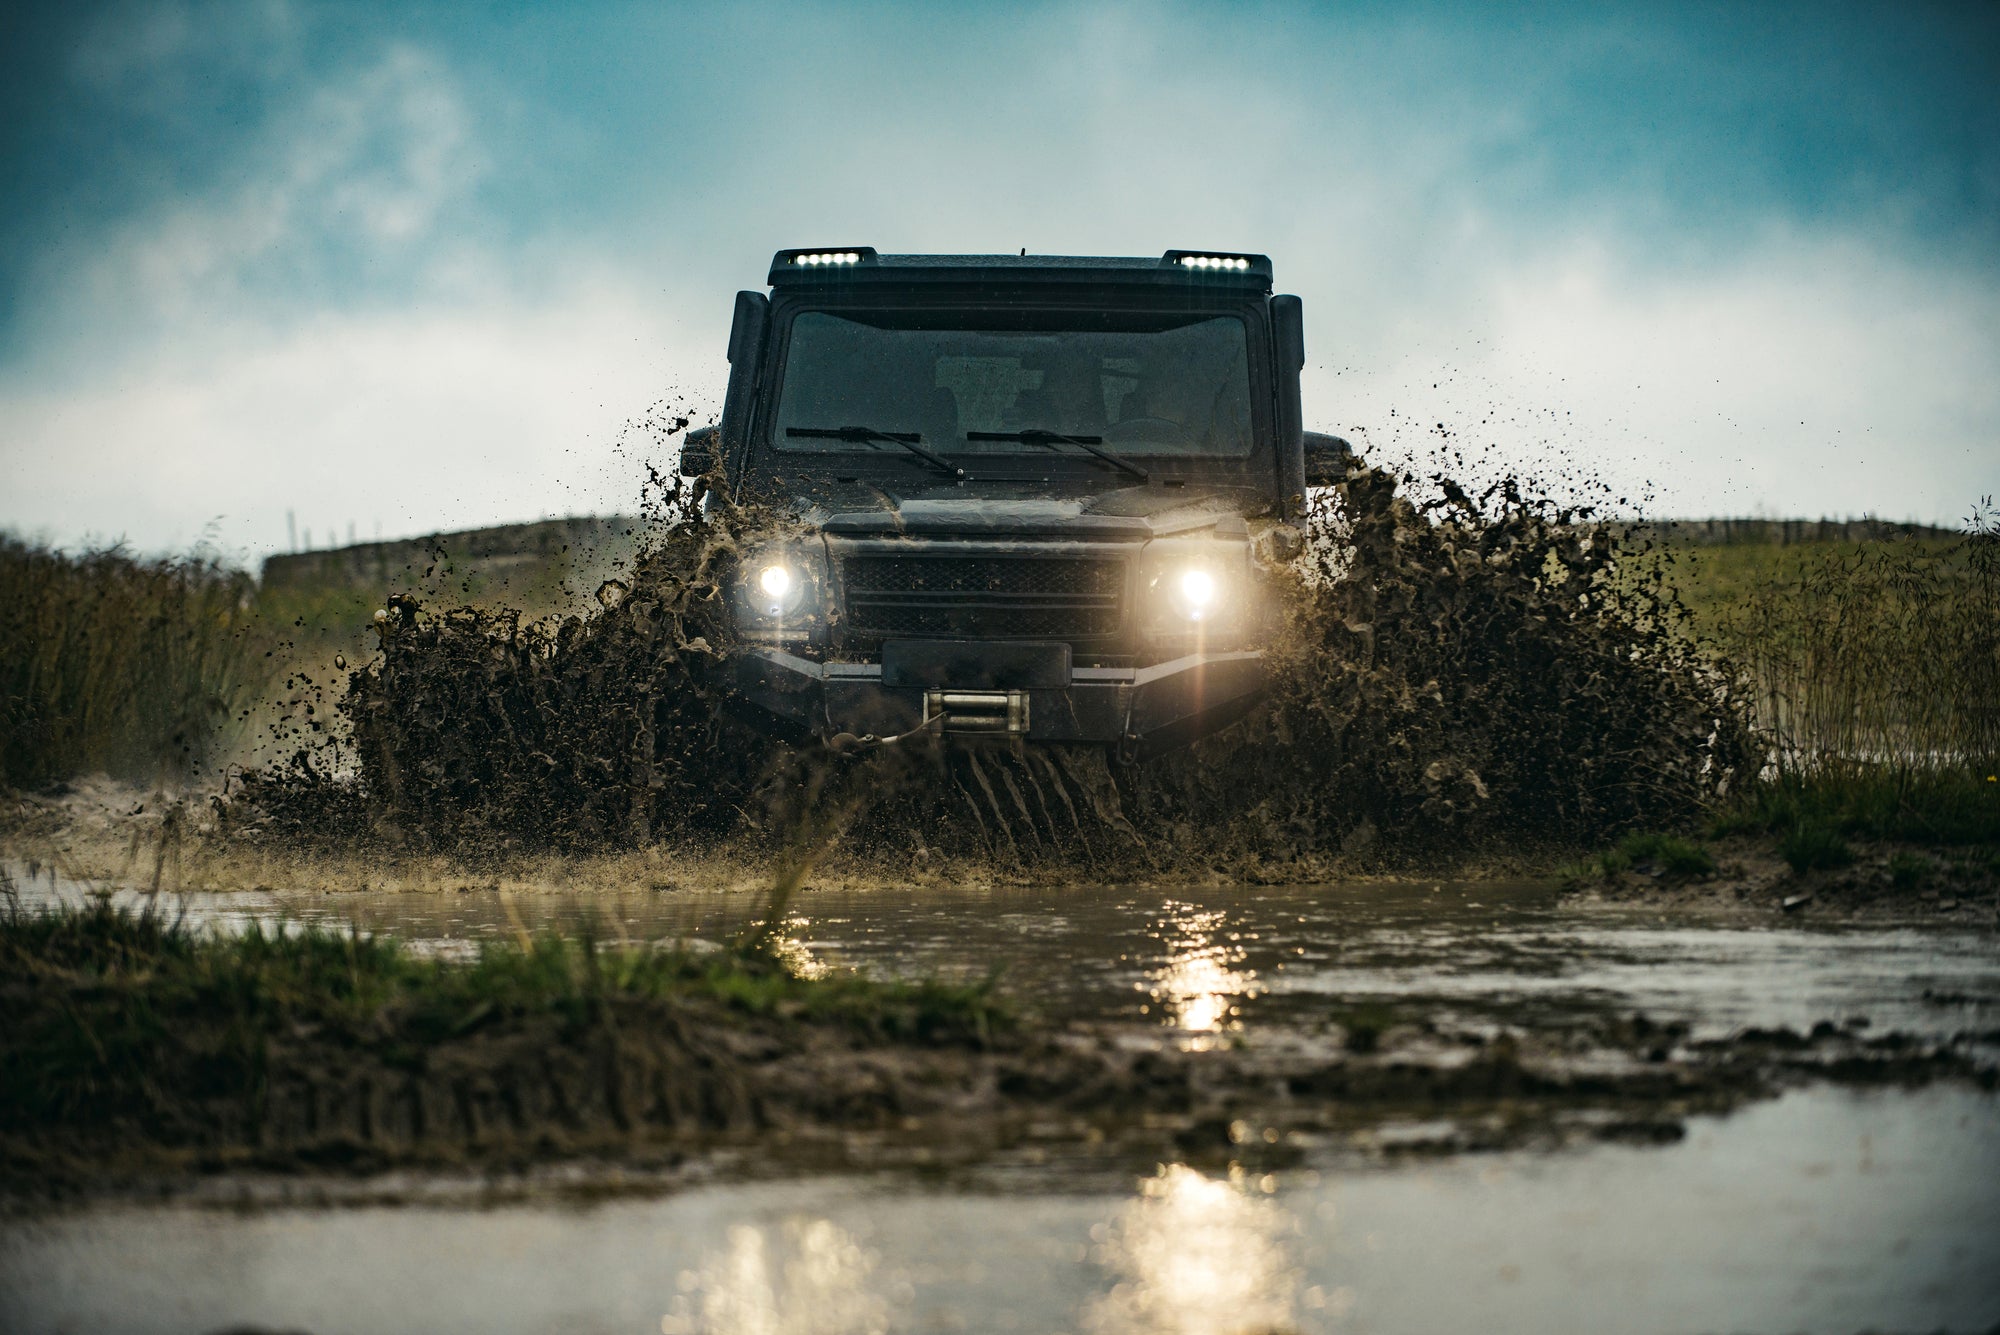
x,y
1936,884
819,1100
651,1086
103,830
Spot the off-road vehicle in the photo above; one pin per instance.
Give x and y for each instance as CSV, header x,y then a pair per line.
x,y
1022,491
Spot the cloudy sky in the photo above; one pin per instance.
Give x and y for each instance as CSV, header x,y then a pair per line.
x,y
409,267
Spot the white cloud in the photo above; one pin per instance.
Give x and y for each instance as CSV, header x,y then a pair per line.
x,y
147,53
1807,375
440,417
350,189
198,362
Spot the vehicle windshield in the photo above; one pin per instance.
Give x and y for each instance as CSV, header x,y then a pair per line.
x,y
1131,383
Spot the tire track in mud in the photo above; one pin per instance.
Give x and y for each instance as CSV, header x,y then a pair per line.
x,y
658,1080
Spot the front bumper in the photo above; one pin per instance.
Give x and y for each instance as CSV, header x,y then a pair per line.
x,y
1142,710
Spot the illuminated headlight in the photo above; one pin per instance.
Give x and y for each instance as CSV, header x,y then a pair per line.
x,y
1194,587
777,589
1194,593
814,259
1214,262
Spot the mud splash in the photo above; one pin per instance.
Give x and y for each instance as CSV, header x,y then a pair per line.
x,y
1458,676
478,730
1474,673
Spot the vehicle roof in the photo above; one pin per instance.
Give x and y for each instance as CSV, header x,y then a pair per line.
x,y
849,266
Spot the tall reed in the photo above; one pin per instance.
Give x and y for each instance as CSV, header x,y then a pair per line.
x,y
111,662
1884,656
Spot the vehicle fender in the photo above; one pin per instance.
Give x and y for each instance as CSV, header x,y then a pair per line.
x,y
746,371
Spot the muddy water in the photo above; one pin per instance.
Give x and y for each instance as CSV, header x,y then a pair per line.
x,y
1241,960
1825,1209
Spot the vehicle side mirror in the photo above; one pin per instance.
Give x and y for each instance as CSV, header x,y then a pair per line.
x,y
1327,459
698,451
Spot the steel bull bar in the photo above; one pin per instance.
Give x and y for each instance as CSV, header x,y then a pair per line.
x,y
1027,692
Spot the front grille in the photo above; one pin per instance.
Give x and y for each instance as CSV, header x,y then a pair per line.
x,y
984,597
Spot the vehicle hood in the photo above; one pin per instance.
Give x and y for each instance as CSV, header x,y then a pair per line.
x,y
1130,513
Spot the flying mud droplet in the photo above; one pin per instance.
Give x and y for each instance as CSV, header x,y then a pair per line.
x,y
1469,673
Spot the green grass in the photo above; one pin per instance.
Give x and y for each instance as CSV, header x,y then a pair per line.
x,y
1646,852
1668,854
1716,582
1901,803
1910,871
97,998
1811,846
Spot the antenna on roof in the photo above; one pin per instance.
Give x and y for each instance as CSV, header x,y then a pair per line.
x,y
1024,250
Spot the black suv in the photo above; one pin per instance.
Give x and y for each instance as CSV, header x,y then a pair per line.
x,y
1025,491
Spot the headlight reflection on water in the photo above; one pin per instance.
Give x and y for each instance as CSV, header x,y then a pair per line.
x,y
806,1275
1199,983
1193,1255
789,946
1189,1254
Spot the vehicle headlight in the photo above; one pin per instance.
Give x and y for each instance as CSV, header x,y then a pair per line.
x,y
778,589
1194,592
1194,587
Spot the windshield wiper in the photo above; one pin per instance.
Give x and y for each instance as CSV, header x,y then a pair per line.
x,y
861,435
1053,438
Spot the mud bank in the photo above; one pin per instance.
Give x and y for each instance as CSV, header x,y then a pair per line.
x,y
133,1059
1883,880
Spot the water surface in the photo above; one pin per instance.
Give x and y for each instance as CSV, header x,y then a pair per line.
x,y
1825,1210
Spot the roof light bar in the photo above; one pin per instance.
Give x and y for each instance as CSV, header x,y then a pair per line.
x,y
1214,262
815,258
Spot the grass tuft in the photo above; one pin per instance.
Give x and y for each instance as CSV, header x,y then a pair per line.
x,y
1648,853
1812,846
1909,871
116,1015
1956,806
1667,854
